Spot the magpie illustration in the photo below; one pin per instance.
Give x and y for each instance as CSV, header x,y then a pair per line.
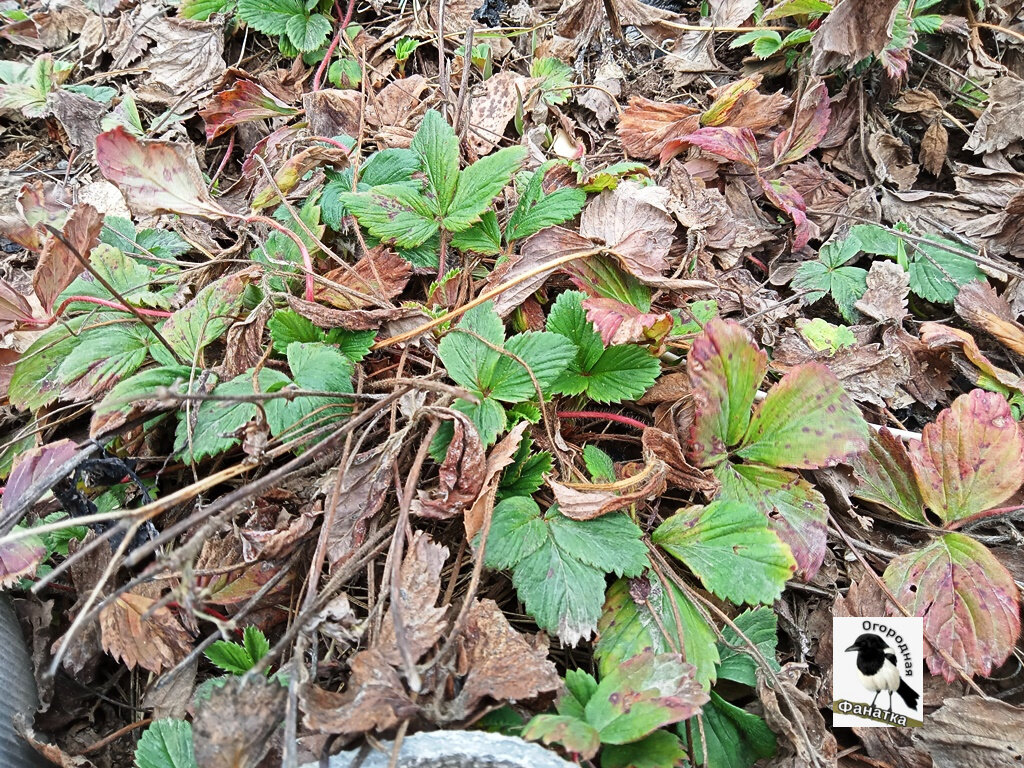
x,y
876,668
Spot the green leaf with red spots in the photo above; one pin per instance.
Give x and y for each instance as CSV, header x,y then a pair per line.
x,y
969,601
794,509
643,694
885,476
730,548
725,368
807,421
971,458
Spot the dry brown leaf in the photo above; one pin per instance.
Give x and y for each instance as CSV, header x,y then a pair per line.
x,y
374,699
589,500
396,110
934,145
981,733
499,458
243,346
813,743
885,299
461,475
893,159
646,126
1000,125
494,104
981,307
854,30
919,101
188,58
156,642
938,336
419,585
381,274
233,728
503,665
634,223
79,116
679,472
364,485
333,112
355,319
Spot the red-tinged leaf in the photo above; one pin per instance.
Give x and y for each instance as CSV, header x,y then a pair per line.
x,y
37,204
739,105
58,265
725,368
643,694
34,465
885,475
736,144
155,176
621,323
14,308
240,588
154,643
806,422
787,199
461,475
243,102
289,174
646,126
808,129
795,510
380,274
572,733
969,601
20,559
971,458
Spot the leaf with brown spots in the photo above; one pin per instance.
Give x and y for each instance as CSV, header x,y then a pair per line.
x,y
885,476
968,599
970,459
243,102
806,422
155,642
380,274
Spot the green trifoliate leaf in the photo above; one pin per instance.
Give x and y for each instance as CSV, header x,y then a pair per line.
x,y
437,147
394,213
735,738
469,361
536,210
166,743
270,17
545,354
230,657
286,326
484,237
828,275
936,274
556,77
759,625
730,548
206,317
479,184
660,749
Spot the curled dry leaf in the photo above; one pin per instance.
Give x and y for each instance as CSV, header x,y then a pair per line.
x,y
786,704
853,31
499,458
633,222
461,475
885,300
1000,123
155,642
379,275
502,664
590,500
244,102
982,308
939,336
58,265
973,731
678,471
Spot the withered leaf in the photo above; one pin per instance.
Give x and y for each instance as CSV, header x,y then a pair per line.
x,y
854,30
499,458
461,475
982,308
380,274
587,501
156,642
679,472
232,728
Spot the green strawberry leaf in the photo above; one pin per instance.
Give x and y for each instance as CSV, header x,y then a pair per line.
x,y
525,475
828,276
34,382
308,33
807,421
572,733
536,210
437,148
599,464
479,184
546,355
735,738
760,626
396,214
969,601
794,509
230,657
726,368
580,687
270,17
660,749
639,613
255,642
166,743
730,548
643,694
971,458
484,237
205,318
103,357
936,274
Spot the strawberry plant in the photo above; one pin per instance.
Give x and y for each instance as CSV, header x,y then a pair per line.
x,y
805,422
967,462
936,271
297,25
166,743
239,658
